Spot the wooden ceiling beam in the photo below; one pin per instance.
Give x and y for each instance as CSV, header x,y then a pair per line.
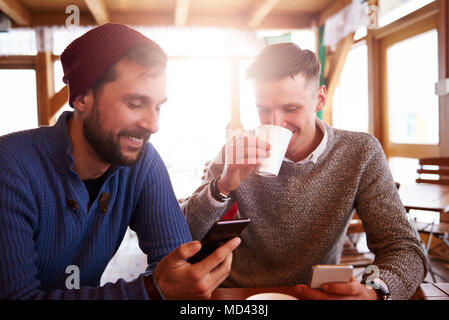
x,y
260,12
288,21
58,19
181,12
272,21
16,12
98,10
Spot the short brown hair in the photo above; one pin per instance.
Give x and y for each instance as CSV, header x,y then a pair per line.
x,y
283,60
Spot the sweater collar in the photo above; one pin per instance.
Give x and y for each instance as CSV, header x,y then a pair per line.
x,y
59,144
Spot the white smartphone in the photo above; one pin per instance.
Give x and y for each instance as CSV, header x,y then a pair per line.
x,y
322,274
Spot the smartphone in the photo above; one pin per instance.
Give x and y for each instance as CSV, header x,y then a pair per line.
x,y
220,232
322,274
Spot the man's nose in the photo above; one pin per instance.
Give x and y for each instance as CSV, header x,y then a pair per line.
x,y
278,119
150,120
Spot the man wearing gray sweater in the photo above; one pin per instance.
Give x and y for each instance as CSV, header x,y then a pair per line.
x,y
300,218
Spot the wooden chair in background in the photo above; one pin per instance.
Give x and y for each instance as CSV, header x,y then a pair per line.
x,y
438,168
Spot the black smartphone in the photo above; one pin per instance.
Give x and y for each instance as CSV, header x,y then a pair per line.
x,y
220,232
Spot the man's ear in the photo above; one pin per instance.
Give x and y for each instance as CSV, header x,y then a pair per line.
x,y
321,98
83,101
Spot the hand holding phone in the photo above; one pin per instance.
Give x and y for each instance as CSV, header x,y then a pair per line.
x,y
220,232
322,274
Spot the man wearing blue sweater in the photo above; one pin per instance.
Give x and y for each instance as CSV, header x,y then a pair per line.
x,y
69,192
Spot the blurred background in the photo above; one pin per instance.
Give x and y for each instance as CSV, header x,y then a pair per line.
x,y
383,63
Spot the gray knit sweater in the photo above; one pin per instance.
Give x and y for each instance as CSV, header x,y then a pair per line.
x,y
300,217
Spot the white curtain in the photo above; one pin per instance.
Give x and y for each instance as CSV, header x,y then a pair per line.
x,y
348,20
18,42
189,41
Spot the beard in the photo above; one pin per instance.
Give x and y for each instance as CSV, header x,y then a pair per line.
x,y
106,144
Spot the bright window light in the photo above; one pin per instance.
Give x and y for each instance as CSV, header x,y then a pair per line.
x,y
19,105
192,124
412,103
350,109
392,10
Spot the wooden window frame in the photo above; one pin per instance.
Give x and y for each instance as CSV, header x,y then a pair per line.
x,y
422,20
402,149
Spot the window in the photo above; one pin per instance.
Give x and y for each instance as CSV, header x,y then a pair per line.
x,y
248,110
409,107
19,110
413,105
350,109
392,10
20,41
192,124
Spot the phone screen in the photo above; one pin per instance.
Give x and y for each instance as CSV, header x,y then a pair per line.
x,y
220,232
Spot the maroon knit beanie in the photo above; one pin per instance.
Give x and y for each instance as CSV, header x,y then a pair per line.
x,y
89,56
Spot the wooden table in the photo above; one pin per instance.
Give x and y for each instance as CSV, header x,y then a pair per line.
x,y
425,196
426,291
432,291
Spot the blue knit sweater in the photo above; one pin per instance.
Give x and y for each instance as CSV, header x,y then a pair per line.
x,y
46,224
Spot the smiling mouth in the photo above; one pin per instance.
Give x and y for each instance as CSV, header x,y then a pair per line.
x,y
134,141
